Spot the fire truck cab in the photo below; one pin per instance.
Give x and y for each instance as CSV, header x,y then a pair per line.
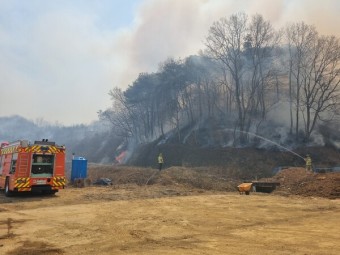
x,y
37,167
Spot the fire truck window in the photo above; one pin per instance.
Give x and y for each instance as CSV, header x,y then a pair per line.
x,y
14,163
1,163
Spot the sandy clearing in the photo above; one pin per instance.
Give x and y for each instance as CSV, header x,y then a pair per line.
x,y
167,220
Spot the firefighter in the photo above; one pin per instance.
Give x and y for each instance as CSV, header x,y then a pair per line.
x,y
308,163
160,161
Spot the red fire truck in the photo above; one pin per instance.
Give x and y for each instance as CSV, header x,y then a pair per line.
x,y
37,167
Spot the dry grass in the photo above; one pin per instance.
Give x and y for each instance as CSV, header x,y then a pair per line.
x,y
293,180
201,178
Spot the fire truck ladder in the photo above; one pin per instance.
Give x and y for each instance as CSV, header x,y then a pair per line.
x,y
23,164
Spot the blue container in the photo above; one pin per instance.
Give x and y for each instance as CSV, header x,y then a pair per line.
x,y
79,168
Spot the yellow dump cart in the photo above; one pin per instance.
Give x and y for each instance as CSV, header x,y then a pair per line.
x,y
245,188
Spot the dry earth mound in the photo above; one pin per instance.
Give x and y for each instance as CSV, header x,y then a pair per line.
x,y
201,178
298,181
293,181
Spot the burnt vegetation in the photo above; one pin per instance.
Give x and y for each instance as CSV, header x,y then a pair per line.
x,y
251,86
250,78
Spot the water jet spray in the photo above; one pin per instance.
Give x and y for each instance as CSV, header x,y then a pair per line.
x,y
263,138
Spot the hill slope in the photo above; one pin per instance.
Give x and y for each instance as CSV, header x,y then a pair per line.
x,y
243,163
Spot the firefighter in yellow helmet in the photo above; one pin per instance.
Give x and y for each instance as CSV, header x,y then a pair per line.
x,y
308,163
160,161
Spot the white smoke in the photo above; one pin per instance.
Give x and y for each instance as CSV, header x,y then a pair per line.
x,y
177,28
63,62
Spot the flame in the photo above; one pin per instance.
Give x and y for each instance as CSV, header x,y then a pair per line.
x,y
121,157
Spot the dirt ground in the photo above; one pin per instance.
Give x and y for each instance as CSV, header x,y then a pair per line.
x,y
167,219
176,211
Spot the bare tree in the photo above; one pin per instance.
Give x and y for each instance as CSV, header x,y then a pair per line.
x,y
313,76
320,82
225,43
120,115
300,36
260,49
246,51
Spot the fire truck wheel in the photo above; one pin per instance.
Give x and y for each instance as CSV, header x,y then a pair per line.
x,y
8,193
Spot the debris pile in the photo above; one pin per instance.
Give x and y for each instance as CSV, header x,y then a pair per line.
x,y
298,181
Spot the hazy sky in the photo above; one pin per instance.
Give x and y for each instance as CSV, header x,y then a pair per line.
x,y
60,58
